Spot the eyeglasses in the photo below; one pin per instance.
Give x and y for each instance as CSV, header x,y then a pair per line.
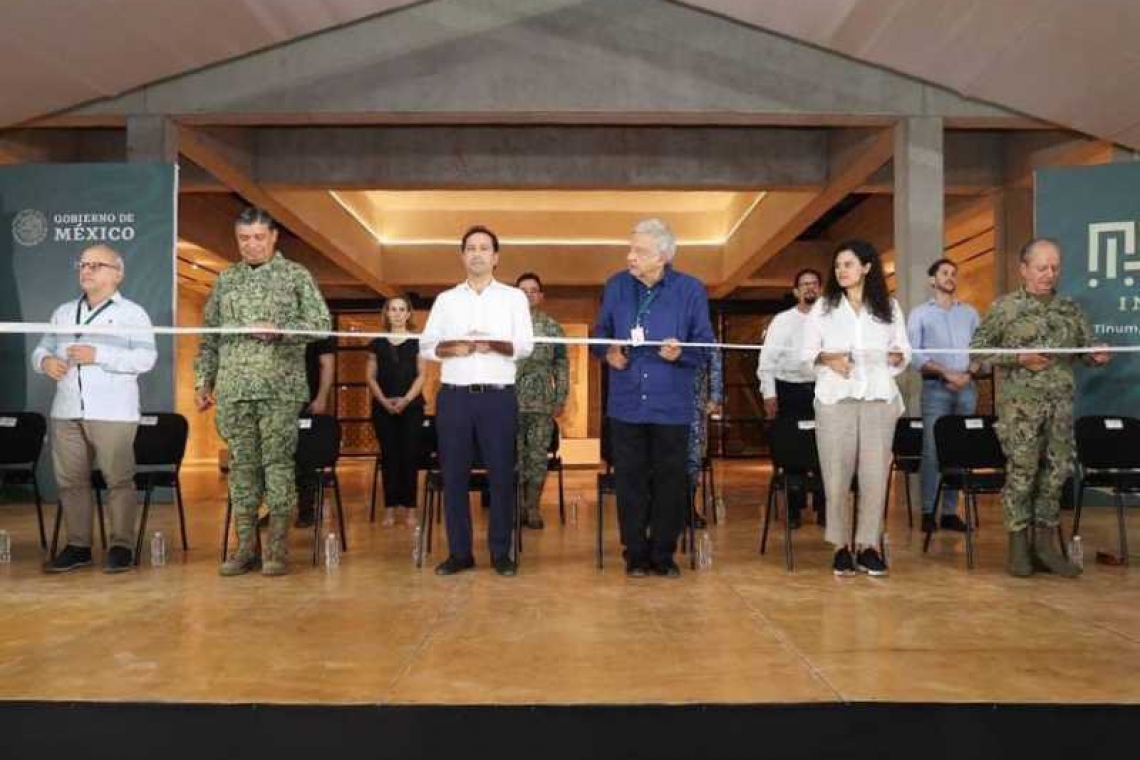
x,y
93,266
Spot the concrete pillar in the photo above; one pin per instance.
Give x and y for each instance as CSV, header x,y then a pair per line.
x,y
919,212
919,220
152,139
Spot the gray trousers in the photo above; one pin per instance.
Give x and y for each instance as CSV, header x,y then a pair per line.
x,y
855,437
75,445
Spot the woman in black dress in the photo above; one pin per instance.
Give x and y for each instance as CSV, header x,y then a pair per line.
x,y
395,382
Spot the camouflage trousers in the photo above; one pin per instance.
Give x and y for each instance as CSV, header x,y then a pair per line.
x,y
1037,439
262,438
534,432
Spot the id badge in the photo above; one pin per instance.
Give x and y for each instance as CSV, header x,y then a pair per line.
x,y
637,335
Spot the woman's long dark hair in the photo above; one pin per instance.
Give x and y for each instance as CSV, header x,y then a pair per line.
x,y
875,294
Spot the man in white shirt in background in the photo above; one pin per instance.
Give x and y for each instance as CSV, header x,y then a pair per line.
x,y
96,407
478,330
787,383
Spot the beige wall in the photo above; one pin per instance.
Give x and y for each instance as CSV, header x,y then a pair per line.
x,y
204,443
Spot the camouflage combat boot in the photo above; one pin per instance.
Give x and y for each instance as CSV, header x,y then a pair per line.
x,y
276,549
1020,563
245,558
1047,559
532,517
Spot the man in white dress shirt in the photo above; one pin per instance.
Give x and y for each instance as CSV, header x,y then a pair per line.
x,y
787,383
478,330
96,408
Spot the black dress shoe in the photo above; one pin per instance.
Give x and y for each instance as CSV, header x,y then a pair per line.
x,y
952,522
504,565
795,522
71,558
699,522
636,569
928,524
118,560
453,565
305,518
667,568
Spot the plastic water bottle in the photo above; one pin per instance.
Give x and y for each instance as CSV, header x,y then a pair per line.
x,y
158,549
332,552
1076,551
5,547
721,509
417,534
704,550
575,503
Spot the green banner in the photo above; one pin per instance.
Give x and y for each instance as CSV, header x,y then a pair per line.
x,y
48,215
1093,212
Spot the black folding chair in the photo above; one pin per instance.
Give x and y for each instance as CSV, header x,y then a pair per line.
x,y
554,464
1108,449
433,492
606,485
377,465
795,464
906,458
970,460
21,442
160,445
318,451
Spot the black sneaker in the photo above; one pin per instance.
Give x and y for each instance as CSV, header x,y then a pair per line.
x,y
952,522
118,560
666,568
928,524
869,562
844,565
71,558
453,565
504,565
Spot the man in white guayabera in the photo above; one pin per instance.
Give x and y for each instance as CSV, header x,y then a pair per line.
x,y
96,407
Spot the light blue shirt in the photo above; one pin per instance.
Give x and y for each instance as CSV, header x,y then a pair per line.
x,y
931,326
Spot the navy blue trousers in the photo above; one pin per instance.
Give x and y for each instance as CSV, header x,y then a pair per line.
x,y
490,419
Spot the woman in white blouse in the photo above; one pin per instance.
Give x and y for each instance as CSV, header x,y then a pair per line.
x,y
856,337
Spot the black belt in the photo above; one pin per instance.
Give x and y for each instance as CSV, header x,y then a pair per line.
x,y
477,388
806,384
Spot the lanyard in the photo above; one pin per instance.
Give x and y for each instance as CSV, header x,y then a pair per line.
x,y
79,322
643,304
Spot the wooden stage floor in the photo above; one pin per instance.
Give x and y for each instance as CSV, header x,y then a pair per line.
x,y
377,631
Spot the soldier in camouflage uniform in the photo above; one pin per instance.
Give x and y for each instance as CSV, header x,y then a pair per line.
x,y
1035,404
258,382
541,384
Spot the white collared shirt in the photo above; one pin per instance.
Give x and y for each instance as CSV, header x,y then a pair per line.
x,y
841,330
108,389
781,358
500,312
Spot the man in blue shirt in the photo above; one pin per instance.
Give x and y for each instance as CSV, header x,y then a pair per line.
x,y
651,393
947,379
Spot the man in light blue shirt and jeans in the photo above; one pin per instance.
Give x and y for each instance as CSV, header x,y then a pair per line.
x,y
948,387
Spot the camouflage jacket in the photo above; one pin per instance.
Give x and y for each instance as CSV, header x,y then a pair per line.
x,y
1020,320
542,380
242,368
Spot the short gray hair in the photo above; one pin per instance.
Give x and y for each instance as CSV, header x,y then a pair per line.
x,y
663,237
